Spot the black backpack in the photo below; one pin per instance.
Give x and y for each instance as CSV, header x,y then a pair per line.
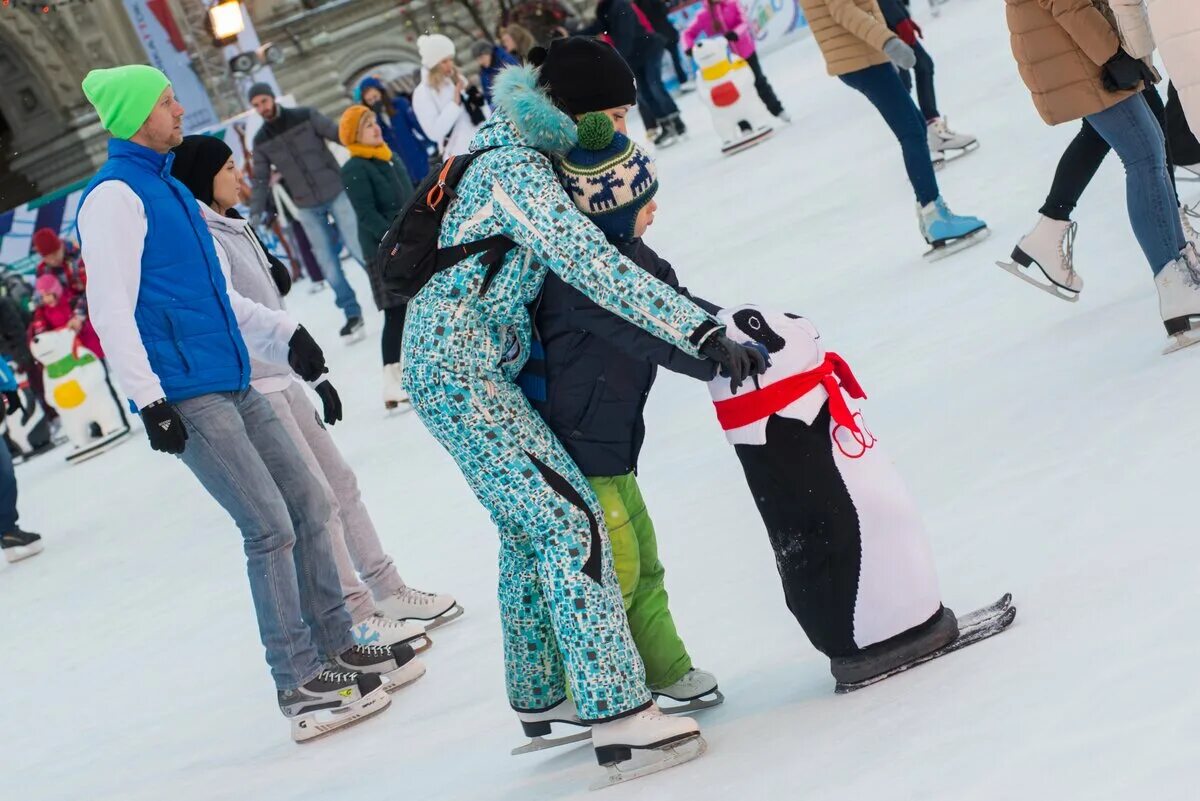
x,y
408,254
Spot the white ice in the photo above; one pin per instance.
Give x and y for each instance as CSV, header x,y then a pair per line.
x,y
1050,445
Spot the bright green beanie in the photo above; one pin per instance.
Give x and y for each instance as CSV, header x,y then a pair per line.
x,y
124,96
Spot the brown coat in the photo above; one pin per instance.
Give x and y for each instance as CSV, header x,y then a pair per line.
x,y
850,33
1061,47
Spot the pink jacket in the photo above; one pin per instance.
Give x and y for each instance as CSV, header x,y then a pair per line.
x,y
729,13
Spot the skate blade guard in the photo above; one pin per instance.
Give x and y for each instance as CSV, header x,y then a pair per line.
x,y
626,763
537,732
949,247
309,727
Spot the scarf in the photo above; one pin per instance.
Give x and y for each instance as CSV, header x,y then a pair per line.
x,y
381,152
833,374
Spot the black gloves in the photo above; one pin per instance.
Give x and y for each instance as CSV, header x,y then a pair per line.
x,y
280,275
738,362
1123,71
305,356
688,52
12,403
164,427
731,36
331,402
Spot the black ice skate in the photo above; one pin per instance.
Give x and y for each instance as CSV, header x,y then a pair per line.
x,y
331,701
397,664
18,544
537,725
353,330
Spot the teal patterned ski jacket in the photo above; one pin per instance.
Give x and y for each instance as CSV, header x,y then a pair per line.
x,y
513,190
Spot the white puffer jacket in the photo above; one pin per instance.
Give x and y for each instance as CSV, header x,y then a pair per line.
x,y
1176,27
1133,26
444,121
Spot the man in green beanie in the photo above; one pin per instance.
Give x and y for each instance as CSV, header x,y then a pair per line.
x,y
179,342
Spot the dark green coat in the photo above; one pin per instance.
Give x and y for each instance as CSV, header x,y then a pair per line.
x,y
378,190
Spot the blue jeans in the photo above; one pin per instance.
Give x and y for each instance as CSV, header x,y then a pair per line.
x,y
245,459
1132,130
8,489
882,86
328,251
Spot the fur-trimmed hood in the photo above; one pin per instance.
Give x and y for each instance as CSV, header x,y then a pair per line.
x,y
525,115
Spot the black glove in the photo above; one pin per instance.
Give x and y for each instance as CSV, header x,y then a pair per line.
x,y
1123,71
12,403
305,356
731,36
738,362
280,274
164,427
688,52
331,402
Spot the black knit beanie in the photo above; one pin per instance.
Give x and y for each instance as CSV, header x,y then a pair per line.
x,y
260,88
197,161
584,74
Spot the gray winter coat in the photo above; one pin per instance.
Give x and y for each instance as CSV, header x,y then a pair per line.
x,y
251,278
294,144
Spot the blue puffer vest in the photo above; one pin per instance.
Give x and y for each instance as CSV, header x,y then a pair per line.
x,y
183,313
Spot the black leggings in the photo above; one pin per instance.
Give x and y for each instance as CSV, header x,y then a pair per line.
x,y
1082,159
393,333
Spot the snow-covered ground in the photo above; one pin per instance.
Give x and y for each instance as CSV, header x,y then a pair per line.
x,y
1050,445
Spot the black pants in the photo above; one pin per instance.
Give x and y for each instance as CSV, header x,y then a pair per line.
x,y
926,97
1082,159
393,333
1185,149
676,59
765,92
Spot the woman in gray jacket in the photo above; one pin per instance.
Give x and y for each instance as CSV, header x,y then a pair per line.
x,y
384,609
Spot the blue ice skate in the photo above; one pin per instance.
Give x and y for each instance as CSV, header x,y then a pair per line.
x,y
947,232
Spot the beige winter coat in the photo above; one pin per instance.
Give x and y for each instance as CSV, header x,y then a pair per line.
x,y
850,33
1176,26
1061,47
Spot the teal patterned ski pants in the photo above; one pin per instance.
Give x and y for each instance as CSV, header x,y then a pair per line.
x,y
560,602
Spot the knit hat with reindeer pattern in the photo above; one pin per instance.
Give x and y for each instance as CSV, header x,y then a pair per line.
x,y
608,176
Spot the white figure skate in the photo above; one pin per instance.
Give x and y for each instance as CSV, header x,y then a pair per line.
x,y
1048,251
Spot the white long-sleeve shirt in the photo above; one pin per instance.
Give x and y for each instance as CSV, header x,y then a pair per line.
x,y
112,227
444,121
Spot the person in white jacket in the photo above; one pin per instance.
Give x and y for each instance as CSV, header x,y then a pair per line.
x,y
1176,28
441,98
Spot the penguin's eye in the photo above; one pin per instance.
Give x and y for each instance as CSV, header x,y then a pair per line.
x,y
755,323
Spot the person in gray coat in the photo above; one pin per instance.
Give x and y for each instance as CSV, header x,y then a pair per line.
x,y
293,141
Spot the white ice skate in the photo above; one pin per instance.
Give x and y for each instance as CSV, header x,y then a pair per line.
x,y
431,609
536,726
331,701
1048,251
1186,215
379,629
696,690
946,145
394,396
662,742
1187,172
1179,300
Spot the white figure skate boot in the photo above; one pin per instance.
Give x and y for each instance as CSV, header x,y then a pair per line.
x,y
1048,251
946,145
536,726
663,741
379,629
1179,300
429,608
394,395
696,690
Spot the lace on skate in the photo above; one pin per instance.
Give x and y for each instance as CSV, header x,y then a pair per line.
x,y
337,676
1066,249
382,651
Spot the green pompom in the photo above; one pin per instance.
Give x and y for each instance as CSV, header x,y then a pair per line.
x,y
595,130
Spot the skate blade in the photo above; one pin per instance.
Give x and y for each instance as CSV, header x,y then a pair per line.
x,y
403,676
986,613
967,635
449,616
1049,288
1182,340
706,701
98,447
949,248
19,552
672,755
749,142
314,725
543,743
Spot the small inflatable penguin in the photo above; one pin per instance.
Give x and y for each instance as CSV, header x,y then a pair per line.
x,y
851,549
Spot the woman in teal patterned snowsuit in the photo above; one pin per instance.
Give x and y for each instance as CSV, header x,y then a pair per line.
x,y
560,603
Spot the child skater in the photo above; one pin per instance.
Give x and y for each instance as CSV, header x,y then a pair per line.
x,y
724,18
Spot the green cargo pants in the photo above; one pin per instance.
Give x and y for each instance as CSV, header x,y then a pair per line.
x,y
640,573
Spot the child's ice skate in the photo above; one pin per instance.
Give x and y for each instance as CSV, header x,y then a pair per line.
x,y
696,690
18,544
1048,251
379,629
394,396
536,726
1179,300
428,608
331,701
947,232
396,664
661,741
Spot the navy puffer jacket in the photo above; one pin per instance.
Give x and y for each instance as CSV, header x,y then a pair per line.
x,y
590,372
